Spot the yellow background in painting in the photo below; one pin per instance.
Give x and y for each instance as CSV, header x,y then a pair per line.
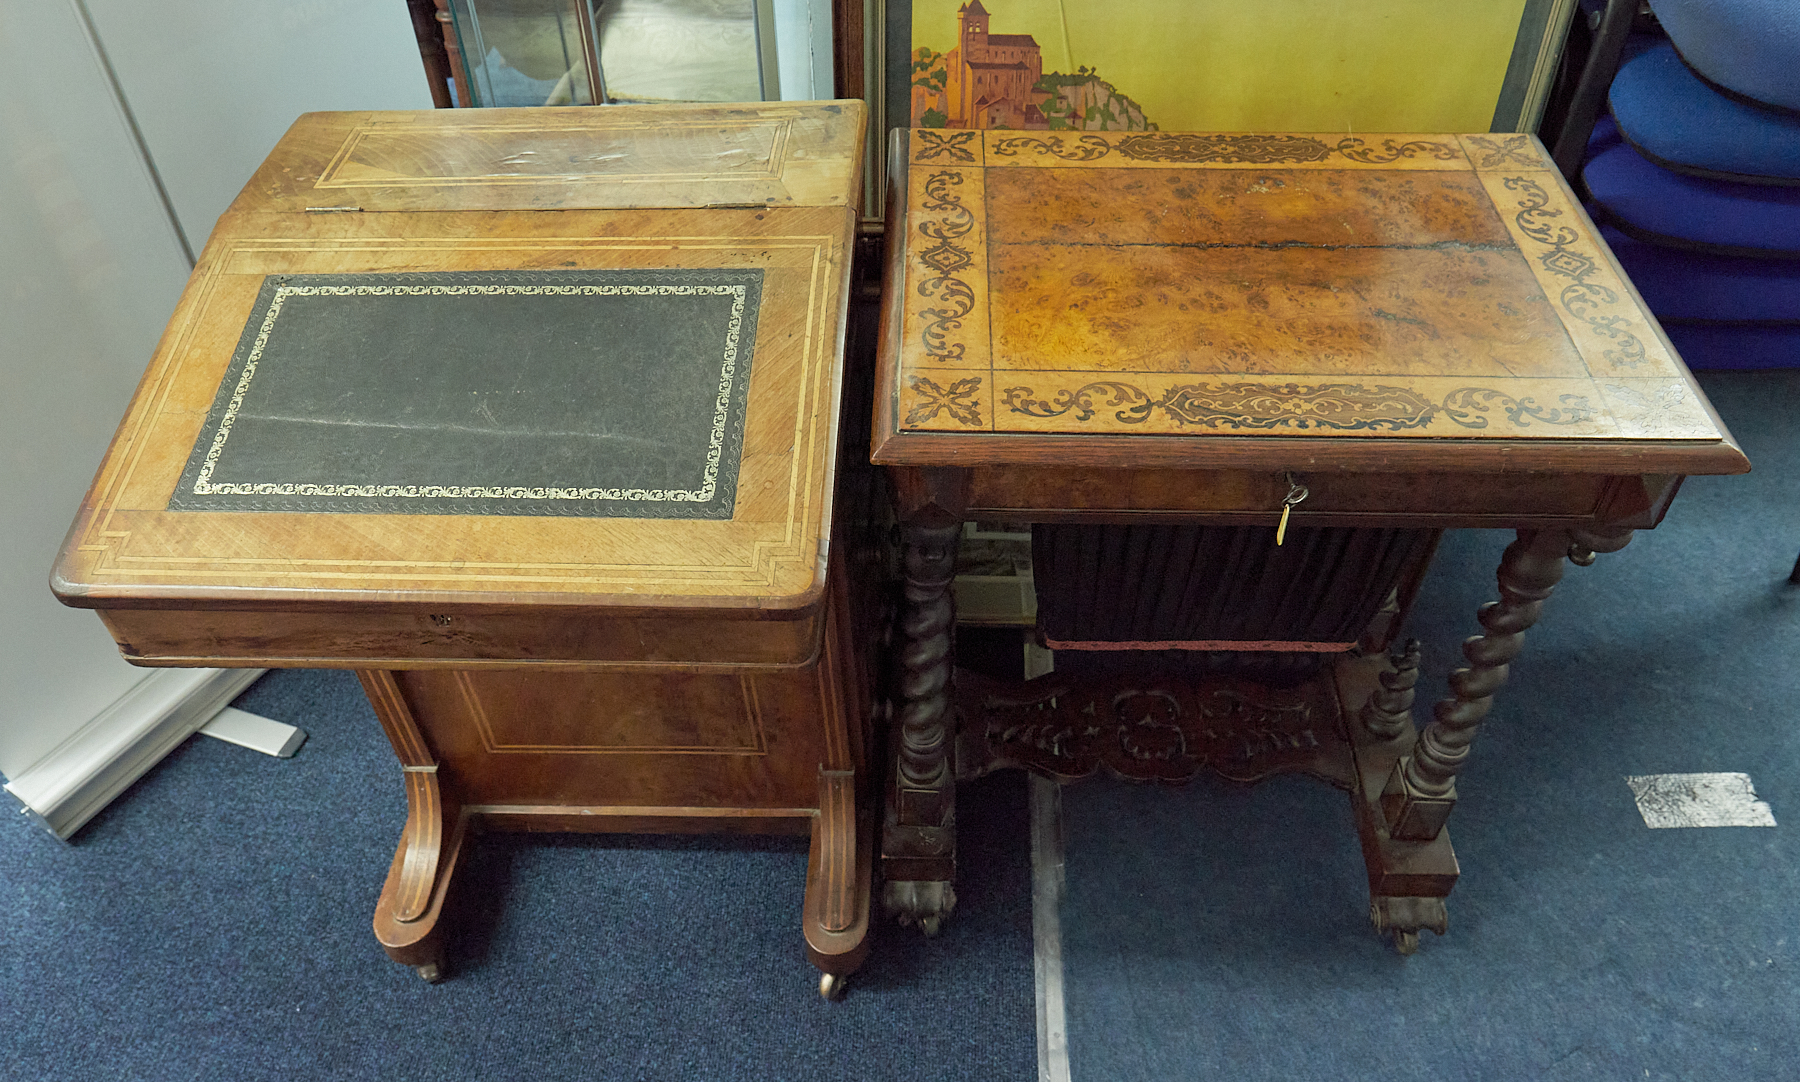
x,y
1271,65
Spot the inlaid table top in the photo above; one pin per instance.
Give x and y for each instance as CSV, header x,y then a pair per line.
x,y
1268,301
577,358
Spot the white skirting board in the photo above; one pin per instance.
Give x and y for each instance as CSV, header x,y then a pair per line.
x,y
81,775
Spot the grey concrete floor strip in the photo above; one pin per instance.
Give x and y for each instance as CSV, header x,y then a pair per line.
x,y
1046,928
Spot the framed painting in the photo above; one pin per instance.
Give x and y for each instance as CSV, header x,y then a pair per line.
x,y
1223,65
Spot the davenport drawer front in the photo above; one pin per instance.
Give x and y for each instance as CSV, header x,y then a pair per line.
x,y
453,640
1394,498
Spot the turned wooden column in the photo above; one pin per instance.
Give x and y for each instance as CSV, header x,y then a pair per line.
x,y
1388,713
1422,790
919,829
927,625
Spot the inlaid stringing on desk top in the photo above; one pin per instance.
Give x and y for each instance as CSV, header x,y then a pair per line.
x,y
763,190
1410,287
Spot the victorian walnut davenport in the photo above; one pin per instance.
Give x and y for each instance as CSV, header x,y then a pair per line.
x,y
1241,383
530,417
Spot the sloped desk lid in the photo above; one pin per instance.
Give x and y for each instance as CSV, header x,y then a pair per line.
x,y
1269,301
498,358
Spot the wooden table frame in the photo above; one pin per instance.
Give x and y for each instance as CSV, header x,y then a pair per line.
x,y
954,457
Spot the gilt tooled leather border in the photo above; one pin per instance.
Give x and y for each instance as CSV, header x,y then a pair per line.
x,y
206,484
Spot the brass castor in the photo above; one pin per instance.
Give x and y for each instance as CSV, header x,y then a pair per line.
x,y
832,985
1405,942
930,925
430,972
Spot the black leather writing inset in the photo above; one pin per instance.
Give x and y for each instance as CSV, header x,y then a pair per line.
x,y
598,393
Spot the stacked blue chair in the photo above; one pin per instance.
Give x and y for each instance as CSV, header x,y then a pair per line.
x,y
1695,177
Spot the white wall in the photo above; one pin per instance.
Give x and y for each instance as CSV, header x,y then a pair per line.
x,y
89,271
91,264
214,83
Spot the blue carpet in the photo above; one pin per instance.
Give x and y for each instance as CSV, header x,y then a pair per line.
x,y
1218,932
213,923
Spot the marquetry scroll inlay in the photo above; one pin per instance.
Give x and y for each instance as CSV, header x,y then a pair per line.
x,y
1216,148
1341,407
1512,151
934,146
1140,149
948,255
1290,284
1588,301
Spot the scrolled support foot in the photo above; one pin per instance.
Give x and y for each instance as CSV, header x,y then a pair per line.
x,y
921,903
1405,917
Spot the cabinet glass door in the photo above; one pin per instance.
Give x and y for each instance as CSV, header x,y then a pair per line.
x,y
587,52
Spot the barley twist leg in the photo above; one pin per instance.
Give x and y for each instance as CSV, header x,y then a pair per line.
x,y
1422,791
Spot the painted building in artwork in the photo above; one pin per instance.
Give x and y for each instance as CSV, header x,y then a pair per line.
x,y
991,77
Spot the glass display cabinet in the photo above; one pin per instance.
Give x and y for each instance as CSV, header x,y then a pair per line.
x,y
592,52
